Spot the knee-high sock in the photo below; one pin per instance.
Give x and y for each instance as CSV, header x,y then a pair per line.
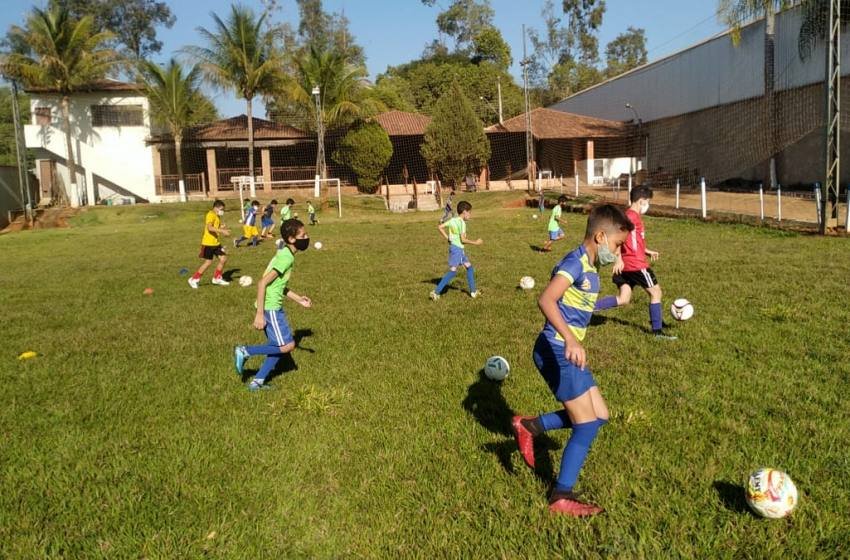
x,y
605,303
655,316
575,453
557,420
470,278
267,350
445,281
268,365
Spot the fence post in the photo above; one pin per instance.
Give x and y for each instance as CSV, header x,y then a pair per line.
x,y
702,197
677,194
562,183
779,201
847,218
630,188
761,201
317,189
817,202
576,185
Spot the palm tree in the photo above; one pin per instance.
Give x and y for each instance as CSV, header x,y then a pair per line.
x,y
66,55
175,102
241,55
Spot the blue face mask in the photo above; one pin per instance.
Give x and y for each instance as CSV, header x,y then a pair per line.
x,y
604,255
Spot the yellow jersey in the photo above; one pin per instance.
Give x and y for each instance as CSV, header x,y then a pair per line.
x,y
211,239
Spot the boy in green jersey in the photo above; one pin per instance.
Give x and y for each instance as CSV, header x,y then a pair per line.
x,y
556,233
454,231
270,316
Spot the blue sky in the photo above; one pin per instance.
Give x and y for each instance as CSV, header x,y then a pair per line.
x,y
395,31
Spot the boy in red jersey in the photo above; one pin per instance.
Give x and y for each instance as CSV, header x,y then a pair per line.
x,y
632,269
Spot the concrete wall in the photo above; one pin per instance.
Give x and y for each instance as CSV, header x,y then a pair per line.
x,y
10,193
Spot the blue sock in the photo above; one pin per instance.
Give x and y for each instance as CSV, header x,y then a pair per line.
x,y
605,303
268,366
267,350
470,278
575,454
655,316
254,241
238,241
557,420
445,281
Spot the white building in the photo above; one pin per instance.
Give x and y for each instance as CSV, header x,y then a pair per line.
x,y
110,122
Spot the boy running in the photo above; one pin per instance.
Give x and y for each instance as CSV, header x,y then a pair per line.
x,y
311,212
632,269
286,210
211,246
456,236
567,304
268,219
556,233
447,209
249,227
270,316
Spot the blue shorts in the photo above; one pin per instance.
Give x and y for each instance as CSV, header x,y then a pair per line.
x,y
267,222
277,328
566,380
457,256
555,235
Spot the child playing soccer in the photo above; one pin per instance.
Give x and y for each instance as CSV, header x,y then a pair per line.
x,y
311,212
268,219
286,210
249,227
447,210
556,233
632,269
211,246
567,304
270,316
456,236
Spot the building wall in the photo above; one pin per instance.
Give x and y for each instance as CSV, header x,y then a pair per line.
x,y
112,159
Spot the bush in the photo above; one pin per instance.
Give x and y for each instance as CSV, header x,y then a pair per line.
x,y
366,149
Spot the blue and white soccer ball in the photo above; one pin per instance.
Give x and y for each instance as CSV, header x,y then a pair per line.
x,y
496,368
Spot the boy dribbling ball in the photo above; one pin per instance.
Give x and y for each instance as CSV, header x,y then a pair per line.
x,y
249,226
211,246
270,316
567,304
454,231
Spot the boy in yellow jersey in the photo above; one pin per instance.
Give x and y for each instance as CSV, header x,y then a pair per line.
x,y
454,231
211,246
270,316
567,305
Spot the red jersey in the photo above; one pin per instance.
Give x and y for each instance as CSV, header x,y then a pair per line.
x,y
634,249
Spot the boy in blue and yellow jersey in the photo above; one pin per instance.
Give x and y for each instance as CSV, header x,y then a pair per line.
x,y
249,226
211,246
567,304
454,231
271,289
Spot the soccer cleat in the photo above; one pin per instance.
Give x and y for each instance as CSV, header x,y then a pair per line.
x,y
475,294
524,439
194,283
220,281
254,387
235,244
434,295
567,503
239,357
661,335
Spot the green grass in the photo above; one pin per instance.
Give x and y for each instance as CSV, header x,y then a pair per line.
x,y
130,435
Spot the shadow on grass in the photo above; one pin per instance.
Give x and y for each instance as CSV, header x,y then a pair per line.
x,y
732,496
596,320
435,281
228,274
484,402
287,362
538,249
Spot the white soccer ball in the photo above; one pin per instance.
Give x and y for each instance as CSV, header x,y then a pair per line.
x,y
682,309
245,281
526,282
534,216
496,368
771,493
317,245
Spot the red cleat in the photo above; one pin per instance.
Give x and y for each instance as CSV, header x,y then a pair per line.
x,y
524,439
573,507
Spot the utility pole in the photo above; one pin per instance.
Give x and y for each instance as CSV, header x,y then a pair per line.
x,y
21,154
829,198
499,92
529,136
320,142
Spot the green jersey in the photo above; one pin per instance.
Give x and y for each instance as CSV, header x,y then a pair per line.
x,y
285,212
456,228
553,220
282,264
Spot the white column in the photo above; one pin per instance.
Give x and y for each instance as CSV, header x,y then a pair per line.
x,y
182,188
702,197
677,194
761,200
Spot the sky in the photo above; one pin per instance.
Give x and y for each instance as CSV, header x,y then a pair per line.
x,y
393,32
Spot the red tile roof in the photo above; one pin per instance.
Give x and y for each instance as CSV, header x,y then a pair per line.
x,y
402,123
96,86
549,124
236,128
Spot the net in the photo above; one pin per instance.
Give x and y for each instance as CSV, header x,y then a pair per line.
x,y
315,189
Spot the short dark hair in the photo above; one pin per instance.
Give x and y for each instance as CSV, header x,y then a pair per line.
x,y
562,199
255,203
218,203
463,206
290,228
607,217
641,192
274,201
290,201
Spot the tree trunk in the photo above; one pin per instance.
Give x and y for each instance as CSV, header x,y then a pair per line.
x,y
769,70
71,194
178,156
251,146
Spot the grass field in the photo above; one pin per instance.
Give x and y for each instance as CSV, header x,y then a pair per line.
x,y
130,435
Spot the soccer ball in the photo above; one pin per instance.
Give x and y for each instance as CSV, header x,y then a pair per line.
x,y
534,216
496,368
682,309
317,245
526,282
245,281
771,493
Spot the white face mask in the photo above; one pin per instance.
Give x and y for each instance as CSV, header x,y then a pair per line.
x,y
220,213
644,207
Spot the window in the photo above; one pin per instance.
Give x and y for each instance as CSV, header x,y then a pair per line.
x,y
43,116
117,115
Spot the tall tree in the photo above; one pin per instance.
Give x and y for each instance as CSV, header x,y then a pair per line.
x,y
66,55
490,46
455,143
366,149
7,125
323,31
241,55
626,51
134,22
176,103
464,20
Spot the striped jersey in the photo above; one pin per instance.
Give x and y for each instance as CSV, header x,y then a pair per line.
x,y
577,303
